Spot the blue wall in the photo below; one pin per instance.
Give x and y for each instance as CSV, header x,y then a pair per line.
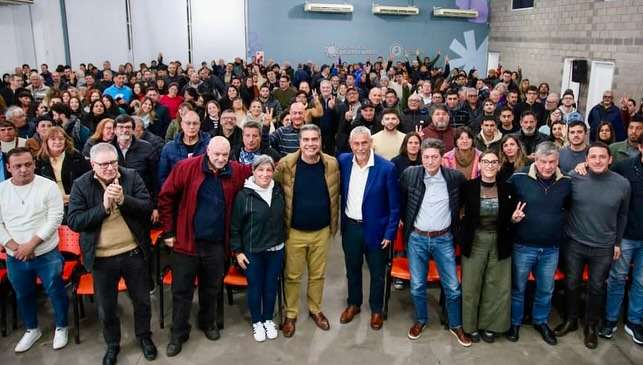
x,y
284,31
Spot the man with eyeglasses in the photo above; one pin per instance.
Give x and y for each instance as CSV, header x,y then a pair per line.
x,y
415,116
189,142
606,110
472,105
110,207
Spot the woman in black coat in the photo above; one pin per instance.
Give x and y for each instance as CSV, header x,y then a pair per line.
x,y
486,251
58,161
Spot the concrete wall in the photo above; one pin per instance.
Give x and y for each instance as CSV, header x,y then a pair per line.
x,y
539,39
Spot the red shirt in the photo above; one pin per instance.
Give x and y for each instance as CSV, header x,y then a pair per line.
x,y
172,104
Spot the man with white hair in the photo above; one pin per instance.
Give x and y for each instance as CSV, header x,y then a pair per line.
x,y
195,206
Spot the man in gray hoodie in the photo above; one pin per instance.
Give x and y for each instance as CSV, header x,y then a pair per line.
x,y
595,227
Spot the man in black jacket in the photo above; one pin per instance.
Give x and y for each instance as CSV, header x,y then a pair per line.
x,y
138,155
110,207
430,197
252,146
528,135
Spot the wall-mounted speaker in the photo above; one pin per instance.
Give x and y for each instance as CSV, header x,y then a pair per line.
x,y
579,71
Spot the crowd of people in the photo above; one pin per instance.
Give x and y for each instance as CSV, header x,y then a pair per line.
x,y
264,163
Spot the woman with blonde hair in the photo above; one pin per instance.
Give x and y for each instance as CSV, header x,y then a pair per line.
x,y
104,133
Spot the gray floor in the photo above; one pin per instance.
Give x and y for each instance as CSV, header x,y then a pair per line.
x,y
353,343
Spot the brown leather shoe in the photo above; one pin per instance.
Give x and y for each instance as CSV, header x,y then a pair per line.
x,y
416,331
376,321
349,313
462,337
321,321
288,328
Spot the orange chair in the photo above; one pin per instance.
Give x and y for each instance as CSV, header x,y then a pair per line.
x,y
69,247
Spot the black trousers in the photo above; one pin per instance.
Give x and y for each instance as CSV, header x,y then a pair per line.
x,y
599,262
107,272
209,271
354,254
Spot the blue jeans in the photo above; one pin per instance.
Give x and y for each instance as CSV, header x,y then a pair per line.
x,y
542,262
22,274
420,249
263,273
631,252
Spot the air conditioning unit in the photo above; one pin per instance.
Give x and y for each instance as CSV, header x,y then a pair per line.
x,y
455,13
16,2
395,10
328,8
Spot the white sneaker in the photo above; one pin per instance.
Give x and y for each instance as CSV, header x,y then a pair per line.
x,y
60,337
271,330
259,332
28,339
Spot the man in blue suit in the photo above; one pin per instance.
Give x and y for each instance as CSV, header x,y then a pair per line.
x,y
370,216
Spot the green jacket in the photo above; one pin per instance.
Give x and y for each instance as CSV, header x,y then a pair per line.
x,y
622,151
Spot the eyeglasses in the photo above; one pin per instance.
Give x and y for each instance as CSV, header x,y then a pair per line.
x,y
105,165
489,162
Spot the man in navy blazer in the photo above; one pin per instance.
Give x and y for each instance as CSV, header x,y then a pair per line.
x,y
370,216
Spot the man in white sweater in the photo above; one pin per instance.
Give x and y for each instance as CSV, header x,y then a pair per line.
x,y
31,209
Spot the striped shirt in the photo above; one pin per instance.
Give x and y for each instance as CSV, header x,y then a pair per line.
x,y
285,140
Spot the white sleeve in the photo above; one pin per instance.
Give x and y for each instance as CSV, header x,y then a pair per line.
x,y
55,211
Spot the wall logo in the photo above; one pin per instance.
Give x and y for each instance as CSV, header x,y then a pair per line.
x,y
396,50
333,51
471,56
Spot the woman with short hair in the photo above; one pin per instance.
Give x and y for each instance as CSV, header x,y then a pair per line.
x,y
257,240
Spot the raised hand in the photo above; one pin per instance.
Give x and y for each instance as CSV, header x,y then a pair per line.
x,y
518,214
331,102
267,116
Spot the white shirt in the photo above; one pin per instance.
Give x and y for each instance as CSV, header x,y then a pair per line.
x,y
356,187
40,214
434,214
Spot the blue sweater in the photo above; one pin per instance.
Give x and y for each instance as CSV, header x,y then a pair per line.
x,y
546,208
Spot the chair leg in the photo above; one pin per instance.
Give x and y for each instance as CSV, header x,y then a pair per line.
x,y
387,292
444,318
81,306
3,311
280,300
161,301
220,310
76,305
229,291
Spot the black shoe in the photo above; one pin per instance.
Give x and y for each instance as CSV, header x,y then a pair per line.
x,y
635,331
111,355
608,329
591,339
212,333
174,348
487,336
475,336
546,333
149,349
513,334
564,328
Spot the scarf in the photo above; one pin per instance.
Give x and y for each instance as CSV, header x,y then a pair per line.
x,y
464,161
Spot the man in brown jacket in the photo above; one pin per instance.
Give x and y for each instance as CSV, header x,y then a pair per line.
x,y
310,180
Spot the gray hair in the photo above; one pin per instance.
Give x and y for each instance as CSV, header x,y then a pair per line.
x,y
546,148
252,124
12,111
100,148
309,127
472,91
262,160
325,82
138,121
432,143
359,130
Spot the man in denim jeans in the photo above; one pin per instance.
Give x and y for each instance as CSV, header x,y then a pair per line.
x,y
541,196
631,253
31,209
431,199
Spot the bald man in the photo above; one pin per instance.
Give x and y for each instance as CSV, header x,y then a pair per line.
x,y
285,139
203,188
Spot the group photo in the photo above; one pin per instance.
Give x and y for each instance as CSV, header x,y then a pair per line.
x,y
298,182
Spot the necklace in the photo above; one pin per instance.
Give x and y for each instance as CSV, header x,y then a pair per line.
x,y
22,199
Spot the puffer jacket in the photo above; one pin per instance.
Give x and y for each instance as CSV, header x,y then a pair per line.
x,y
176,151
255,226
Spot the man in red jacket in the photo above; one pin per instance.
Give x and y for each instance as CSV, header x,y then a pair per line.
x,y
195,206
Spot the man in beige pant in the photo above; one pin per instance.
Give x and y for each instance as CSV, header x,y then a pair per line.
x,y
310,180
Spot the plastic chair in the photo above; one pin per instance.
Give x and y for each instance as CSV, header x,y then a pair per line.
x,y
6,290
